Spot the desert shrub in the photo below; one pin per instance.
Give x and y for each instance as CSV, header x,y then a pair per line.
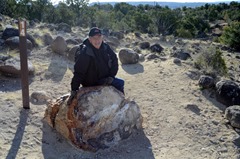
x,y
183,33
231,35
211,62
215,39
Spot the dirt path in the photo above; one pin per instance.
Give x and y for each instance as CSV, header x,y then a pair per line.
x,y
180,120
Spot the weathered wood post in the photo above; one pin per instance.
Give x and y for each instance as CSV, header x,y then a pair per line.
x,y
24,63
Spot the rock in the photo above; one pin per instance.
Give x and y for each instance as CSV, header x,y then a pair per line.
x,y
152,56
11,67
47,39
232,114
156,48
64,27
181,55
112,41
137,34
72,42
13,43
228,92
71,53
118,35
206,82
144,45
98,117
127,56
12,32
177,61
39,97
59,45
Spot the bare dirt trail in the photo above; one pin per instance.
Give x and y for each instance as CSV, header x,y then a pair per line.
x,y
180,120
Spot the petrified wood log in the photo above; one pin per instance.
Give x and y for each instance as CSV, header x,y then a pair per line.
x,y
97,118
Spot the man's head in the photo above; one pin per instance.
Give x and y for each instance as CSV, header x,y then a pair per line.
x,y
95,37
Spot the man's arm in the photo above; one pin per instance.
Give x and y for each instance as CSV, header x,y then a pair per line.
x,y
80,69
114,64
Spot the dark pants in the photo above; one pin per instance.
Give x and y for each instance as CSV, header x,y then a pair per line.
x,y
119,84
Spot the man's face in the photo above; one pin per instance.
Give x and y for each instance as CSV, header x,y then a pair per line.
x,y
96,40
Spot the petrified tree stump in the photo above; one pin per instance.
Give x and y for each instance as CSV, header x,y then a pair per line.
x,y
97,118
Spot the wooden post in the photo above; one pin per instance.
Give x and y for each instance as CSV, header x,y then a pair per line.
x,y
24,63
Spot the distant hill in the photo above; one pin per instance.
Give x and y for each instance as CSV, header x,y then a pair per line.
x,y
171,5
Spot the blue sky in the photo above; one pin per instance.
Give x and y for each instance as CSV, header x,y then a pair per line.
x,y
56,1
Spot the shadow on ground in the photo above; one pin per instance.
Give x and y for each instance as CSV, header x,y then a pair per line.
x,y
10,84
133,68
18,135
136,146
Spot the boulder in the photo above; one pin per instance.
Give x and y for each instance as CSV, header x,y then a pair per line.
x,y
156,48
232,114
59,45
144,45
116,34
39,97
181,54
12,67
72,42
72,52
13,43
64,27
12,32
127,56
47,39
228,92
206,82
98,117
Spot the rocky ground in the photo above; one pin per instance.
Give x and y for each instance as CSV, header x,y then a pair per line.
x,y
179,119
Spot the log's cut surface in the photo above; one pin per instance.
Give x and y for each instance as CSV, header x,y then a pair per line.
x,y
97,118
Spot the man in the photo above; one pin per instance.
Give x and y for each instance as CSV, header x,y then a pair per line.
x,y
96,64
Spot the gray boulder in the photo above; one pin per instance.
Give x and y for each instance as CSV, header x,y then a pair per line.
x,y
127,56
71,53
232,114
12,67
98,117
144,45
228,92
156,48
13,43
206,82
47,39
59,45
64,27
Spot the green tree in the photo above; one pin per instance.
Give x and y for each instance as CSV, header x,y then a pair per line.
x,y
166,20
142,21
231,35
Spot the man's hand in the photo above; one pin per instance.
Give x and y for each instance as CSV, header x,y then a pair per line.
x,y
72,95
106,81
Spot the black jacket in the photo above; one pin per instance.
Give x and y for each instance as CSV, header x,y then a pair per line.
x,y
93,64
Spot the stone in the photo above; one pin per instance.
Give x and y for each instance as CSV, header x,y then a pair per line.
x,y
12,67
64,27
206,82
47,39
97,118
39,97
59,45
127,56
228,92
71,53
144,45
232,114
156,48
13,43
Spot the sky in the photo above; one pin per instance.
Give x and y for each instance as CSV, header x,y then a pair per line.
x,y
183,1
